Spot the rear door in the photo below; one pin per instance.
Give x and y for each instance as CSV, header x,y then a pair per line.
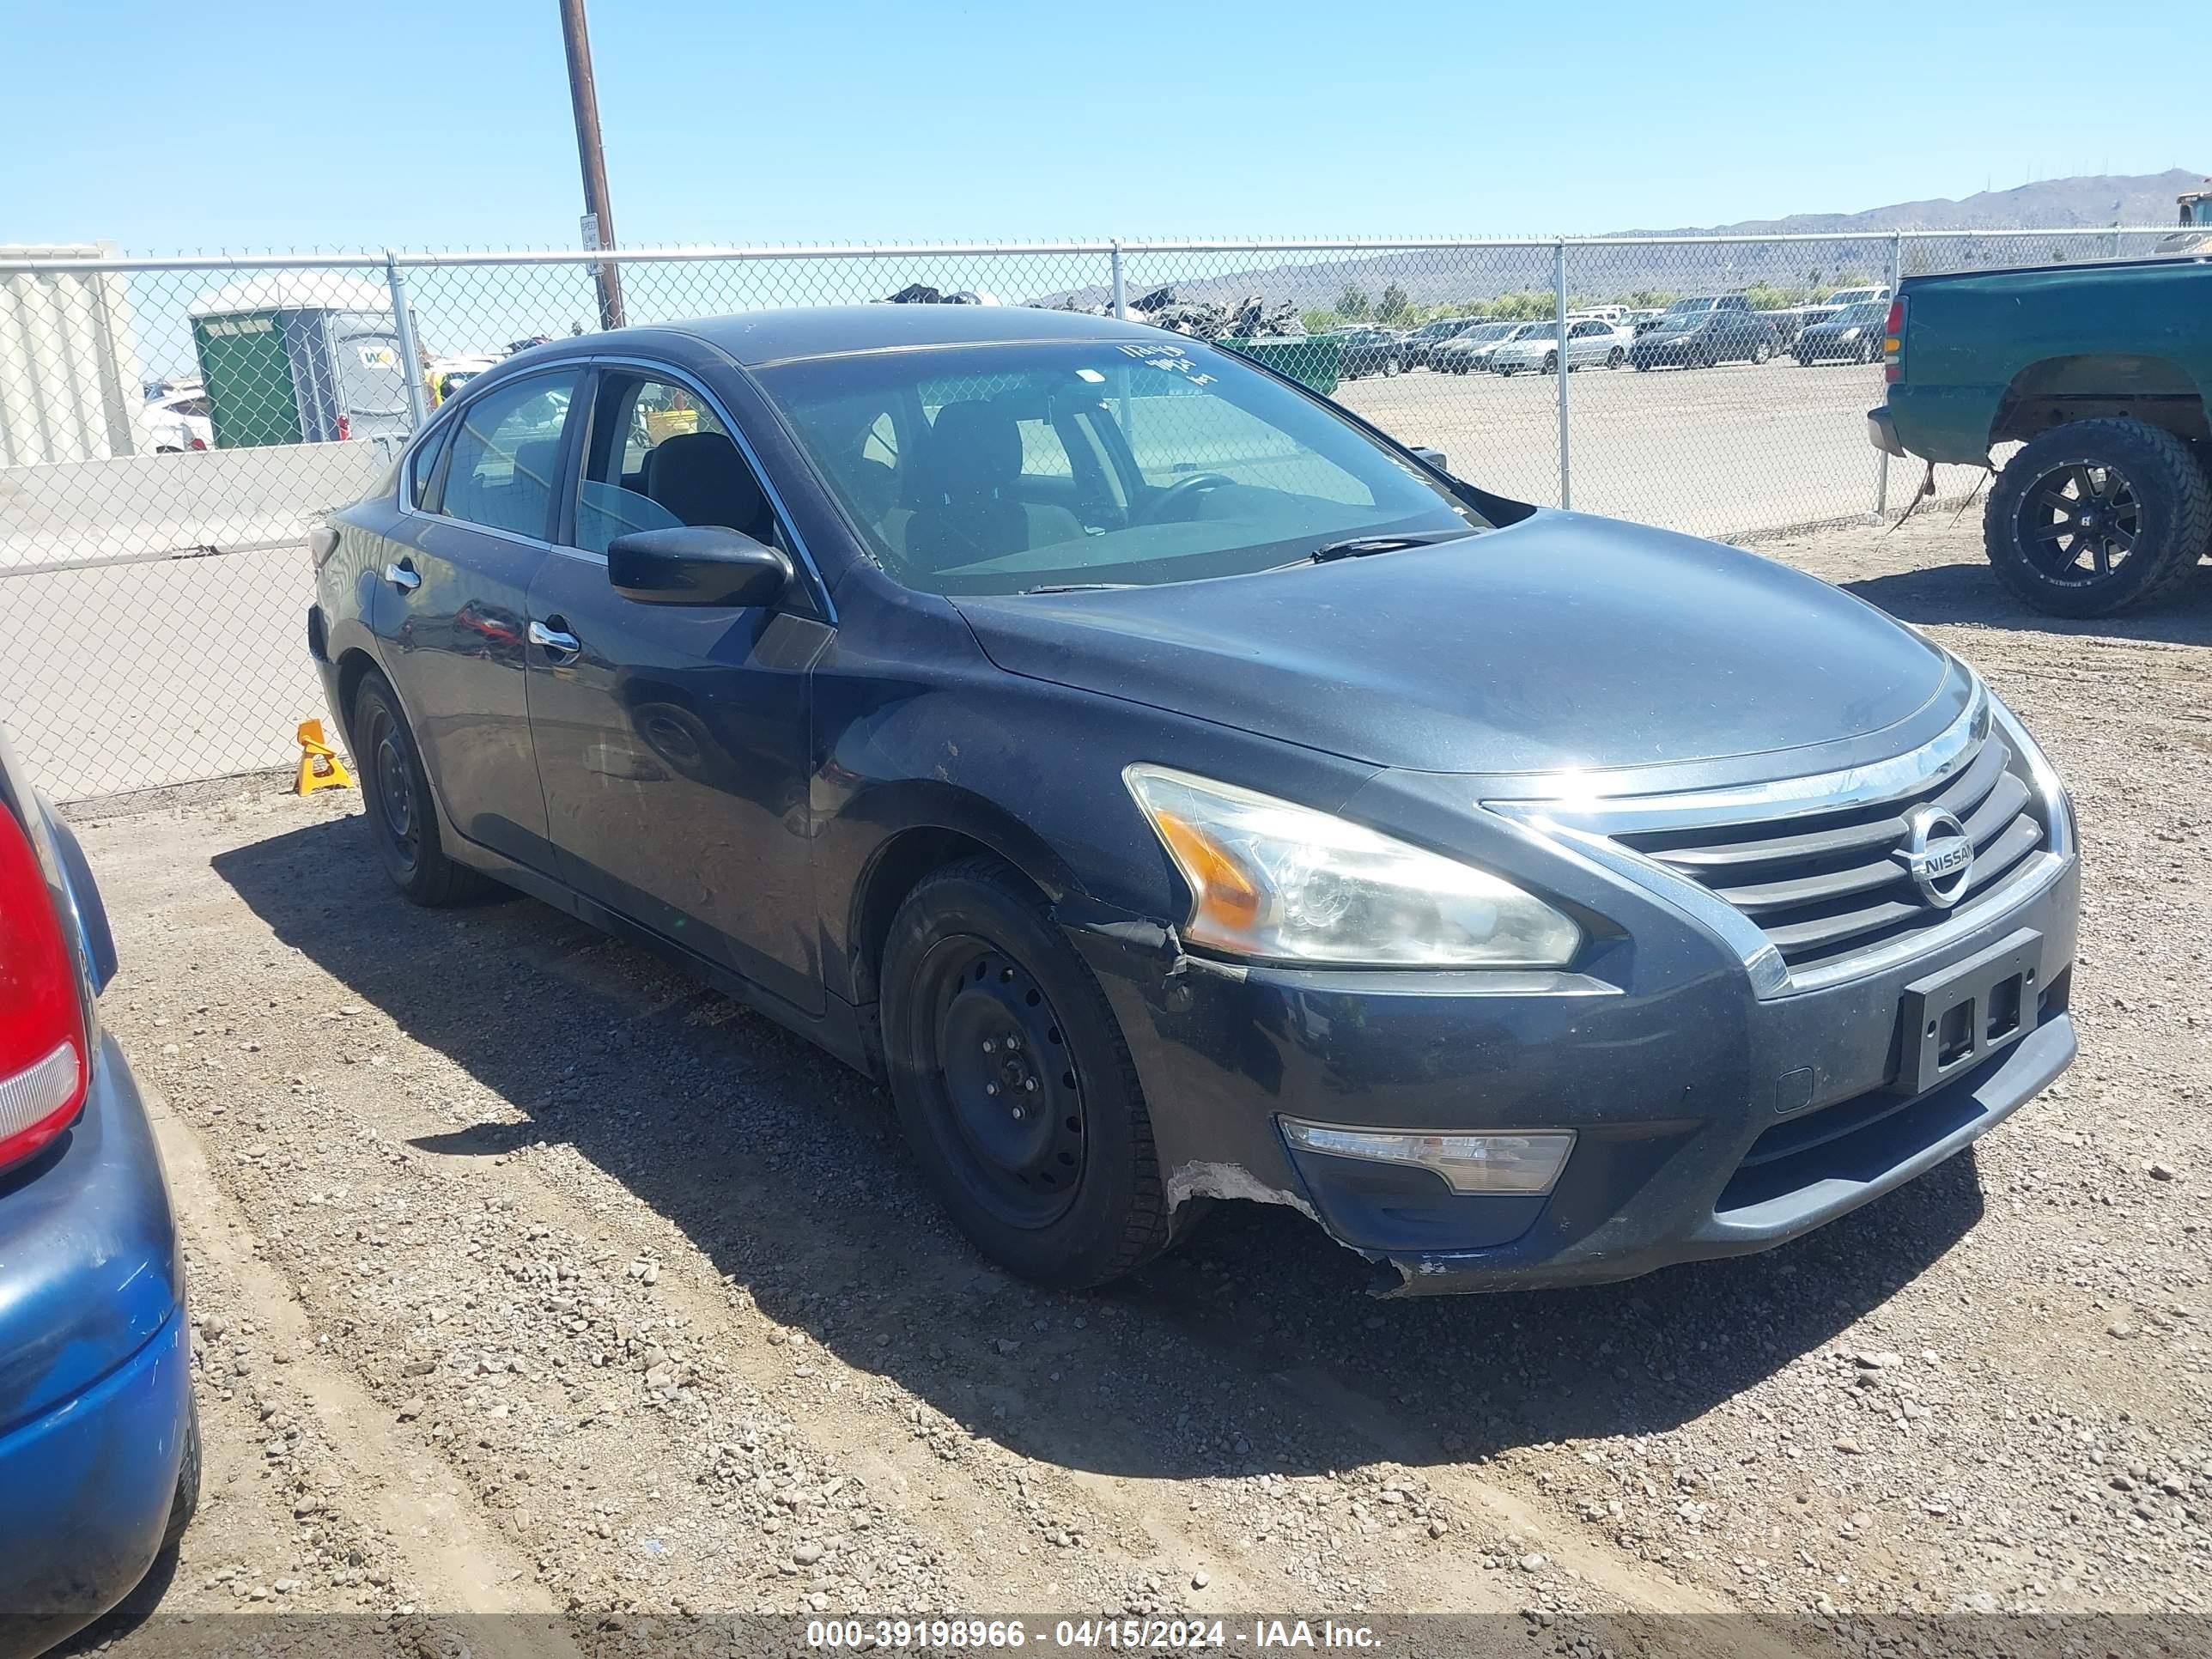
x,y
672,740
453,607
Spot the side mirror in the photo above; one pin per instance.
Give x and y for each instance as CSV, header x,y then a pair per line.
x,y
696,564
1435,458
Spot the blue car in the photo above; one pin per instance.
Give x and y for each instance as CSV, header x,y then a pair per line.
x,y
99,1442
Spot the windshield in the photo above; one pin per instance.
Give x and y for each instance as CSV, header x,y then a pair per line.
x,y
1487,332
1860,316
1678,322
1003,468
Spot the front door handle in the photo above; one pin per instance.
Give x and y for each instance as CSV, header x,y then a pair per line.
x,y
560,646
403,577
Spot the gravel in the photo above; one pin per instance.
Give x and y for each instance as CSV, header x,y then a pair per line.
x,y
529,1276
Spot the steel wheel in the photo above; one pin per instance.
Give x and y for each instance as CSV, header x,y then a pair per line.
x,y
1010,1084
2076,513
391,792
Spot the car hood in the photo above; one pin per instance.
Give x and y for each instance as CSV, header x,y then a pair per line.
x,y
1564,641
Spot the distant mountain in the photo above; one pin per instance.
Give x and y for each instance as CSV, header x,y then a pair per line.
x,y
1861,254
2104,199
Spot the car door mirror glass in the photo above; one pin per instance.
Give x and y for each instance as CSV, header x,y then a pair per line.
x,y
704,564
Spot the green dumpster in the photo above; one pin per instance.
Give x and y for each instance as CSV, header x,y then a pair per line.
x,y
1311,359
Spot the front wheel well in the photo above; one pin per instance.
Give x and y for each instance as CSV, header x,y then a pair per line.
x,y
904,862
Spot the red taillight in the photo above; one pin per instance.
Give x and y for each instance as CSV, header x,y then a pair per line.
x,y
345,427
199,443
1892,346
42,1037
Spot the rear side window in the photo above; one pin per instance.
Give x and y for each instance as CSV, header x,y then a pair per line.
x,y
424,466
506,450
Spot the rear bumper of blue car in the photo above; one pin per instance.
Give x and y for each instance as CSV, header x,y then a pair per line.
x,y
95,1393
88,1490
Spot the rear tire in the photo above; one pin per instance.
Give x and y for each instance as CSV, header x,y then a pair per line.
x,y
1040,1148
403,817
2095,516
1760,352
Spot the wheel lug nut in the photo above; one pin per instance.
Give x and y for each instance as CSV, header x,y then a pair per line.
x,y
1030,1084
1012,1043
990,1088
1018,1114
989,1046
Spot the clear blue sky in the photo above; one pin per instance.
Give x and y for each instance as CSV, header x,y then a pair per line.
x,y
446,122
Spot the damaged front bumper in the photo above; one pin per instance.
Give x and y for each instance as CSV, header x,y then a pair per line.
x,y
1708,1121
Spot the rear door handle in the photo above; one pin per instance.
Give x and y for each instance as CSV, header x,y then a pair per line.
x,y
560,646
403,576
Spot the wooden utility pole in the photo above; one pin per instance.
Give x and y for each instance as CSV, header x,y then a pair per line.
x,y
599,219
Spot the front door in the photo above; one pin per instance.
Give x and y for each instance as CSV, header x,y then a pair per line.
x,y
451,604
672,740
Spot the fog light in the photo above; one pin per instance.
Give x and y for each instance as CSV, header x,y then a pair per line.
x,y
1469,1164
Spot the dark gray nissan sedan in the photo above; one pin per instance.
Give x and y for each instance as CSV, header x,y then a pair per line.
x,y
1175,789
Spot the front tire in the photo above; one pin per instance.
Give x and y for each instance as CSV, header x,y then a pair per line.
x,y
2094,516
1615,358
1760,352
402,818
1013,1084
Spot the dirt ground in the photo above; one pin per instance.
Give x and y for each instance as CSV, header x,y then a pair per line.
x,y
530,1278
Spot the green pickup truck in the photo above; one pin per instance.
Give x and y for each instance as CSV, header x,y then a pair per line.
x,y
2100,373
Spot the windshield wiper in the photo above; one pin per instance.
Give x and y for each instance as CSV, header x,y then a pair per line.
x,y
1359,547
1078,587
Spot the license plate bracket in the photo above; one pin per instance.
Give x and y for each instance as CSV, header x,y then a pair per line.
x,y
1953,1020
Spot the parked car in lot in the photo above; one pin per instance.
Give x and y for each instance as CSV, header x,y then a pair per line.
x,y
175,422
2099,373
1173,788
1421,344
1844,297
1472,351
1590,343
1853,335
1372,351
99,1446
1700,334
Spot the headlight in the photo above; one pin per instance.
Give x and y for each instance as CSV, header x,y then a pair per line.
x,y
1851,334
1285,882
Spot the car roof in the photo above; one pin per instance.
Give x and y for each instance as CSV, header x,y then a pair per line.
x,y
758,338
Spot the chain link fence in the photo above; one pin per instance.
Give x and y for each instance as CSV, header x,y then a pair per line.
x,y
171,428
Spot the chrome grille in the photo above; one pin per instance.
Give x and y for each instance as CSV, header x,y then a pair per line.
x,y
1826,886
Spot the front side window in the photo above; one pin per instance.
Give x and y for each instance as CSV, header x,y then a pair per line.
x,y
658,457
505,453
1118,462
